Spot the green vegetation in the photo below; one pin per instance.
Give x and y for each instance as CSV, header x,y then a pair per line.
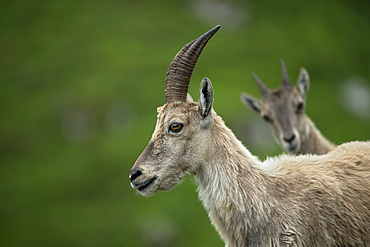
x,y
80,83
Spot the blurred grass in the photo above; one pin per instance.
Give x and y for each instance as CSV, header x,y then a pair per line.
x,y
80,83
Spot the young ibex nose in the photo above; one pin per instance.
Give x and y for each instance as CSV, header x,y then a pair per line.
x,y
290,139
134,174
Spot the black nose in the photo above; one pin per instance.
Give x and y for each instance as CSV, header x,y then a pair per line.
x,y
290,139
134,174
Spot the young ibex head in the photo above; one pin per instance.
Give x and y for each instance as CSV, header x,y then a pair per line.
x,y
170,155
283,109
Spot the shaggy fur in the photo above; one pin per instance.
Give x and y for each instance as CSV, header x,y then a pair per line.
x,y
287,201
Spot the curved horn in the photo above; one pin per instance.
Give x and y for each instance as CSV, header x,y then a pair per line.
x,y
284,74
181,67
263,89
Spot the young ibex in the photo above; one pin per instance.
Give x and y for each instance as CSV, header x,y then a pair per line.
x,y
285,201
284,110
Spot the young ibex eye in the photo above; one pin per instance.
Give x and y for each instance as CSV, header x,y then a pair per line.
x,y
267,118
300,106
175,127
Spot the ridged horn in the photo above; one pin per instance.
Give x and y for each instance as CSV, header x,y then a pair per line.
x,y
284,75
181,68
263,89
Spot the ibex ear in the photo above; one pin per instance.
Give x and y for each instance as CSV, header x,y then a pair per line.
x,y
205,97
251,102
303,83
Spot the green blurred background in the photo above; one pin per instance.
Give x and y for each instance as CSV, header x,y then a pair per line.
x,y
81,80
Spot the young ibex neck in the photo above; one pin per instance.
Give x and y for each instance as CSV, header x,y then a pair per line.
x,y
314,142
230,181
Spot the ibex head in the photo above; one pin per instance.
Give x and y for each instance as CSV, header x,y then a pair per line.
x,y
183,127
283,109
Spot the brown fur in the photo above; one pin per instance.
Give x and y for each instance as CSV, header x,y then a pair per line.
x,y
313,142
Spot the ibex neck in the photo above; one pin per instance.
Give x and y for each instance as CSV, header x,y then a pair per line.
x,y
314,142
232,186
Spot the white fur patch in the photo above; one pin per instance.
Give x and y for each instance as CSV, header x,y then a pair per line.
x,y
269,164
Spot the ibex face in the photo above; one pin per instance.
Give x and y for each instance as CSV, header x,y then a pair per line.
x,y
183,127
283,109
176,149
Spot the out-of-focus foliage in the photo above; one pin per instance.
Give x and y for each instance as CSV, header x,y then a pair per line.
x,y
80,82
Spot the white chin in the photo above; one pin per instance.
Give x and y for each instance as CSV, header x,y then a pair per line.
x,y
146,192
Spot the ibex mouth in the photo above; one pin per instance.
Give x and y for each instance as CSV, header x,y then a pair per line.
x,y
293,148
145,184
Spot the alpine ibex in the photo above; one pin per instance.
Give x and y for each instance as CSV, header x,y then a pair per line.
x,y
303,200
284,110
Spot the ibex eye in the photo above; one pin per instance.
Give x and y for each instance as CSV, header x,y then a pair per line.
x,y
175,127
267,118
300,106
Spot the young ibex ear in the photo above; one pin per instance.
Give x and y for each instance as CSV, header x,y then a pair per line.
x,y
251,102
205,97
303,83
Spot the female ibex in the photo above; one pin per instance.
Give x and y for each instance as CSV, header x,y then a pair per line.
x,y
284,110
284,201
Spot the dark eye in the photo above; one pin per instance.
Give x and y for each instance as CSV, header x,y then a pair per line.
x,y
267,118
300,106
175,127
